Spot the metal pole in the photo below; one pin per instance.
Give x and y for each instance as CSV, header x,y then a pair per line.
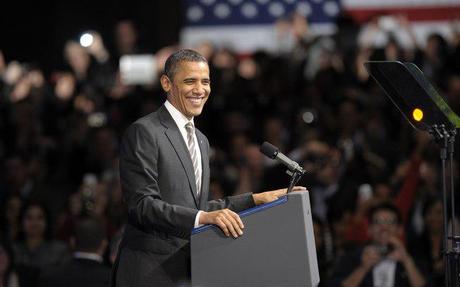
x,y
443,154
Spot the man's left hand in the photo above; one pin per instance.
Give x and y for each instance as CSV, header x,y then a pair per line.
x,y
269,196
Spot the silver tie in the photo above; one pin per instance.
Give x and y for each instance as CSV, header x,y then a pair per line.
x,y
191,144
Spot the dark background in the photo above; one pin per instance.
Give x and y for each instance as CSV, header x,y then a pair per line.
x,y
36,31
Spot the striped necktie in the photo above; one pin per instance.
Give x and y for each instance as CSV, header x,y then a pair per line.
x,y
192,148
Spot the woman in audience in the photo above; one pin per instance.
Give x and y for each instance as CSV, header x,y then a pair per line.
x,y
35,250
427,247
8,277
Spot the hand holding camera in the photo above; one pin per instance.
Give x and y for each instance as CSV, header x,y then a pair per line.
x,y
92,41
398,251
370,256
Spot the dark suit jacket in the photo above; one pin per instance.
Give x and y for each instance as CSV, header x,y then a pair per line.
x,y
76,273
158,185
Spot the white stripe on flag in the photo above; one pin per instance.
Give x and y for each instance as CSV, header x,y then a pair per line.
x,y
350,4
242,38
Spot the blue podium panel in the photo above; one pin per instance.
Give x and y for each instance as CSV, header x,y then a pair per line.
x,y
276,249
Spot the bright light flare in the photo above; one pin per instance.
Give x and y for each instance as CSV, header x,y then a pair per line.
x,y
417,114
86,40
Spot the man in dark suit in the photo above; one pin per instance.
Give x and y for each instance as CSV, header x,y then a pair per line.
x,y
86,268
164,170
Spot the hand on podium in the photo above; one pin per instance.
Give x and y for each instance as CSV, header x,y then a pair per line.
x,y
227,220
230,222
269,196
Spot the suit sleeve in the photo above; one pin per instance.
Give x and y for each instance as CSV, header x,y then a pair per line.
x,y
235,203
139,181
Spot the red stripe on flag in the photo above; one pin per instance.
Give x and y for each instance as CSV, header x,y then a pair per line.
x,y
434,13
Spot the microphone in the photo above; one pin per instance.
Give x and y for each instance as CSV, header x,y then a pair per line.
x,y
273,152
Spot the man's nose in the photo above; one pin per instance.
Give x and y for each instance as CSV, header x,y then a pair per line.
x,y
199,89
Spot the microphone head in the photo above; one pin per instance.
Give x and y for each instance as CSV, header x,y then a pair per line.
x,y
269,150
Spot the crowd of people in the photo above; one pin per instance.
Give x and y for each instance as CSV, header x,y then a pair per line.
x,y
313,99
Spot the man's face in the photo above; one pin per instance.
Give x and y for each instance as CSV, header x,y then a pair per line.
x,y
383,226
189,90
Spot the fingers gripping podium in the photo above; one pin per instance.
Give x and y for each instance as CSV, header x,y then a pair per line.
x,y
277,248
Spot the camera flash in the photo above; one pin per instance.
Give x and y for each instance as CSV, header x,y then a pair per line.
x,y
86,40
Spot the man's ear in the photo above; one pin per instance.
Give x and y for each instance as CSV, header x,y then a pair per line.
x,y
165,83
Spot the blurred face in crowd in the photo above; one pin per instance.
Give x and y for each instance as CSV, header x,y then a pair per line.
x,y
433,218
432,47
349,117
34,223
126,36
383,226
100,200
77,57
428,173
4,261
75,204
206,49
382,191
13,208
17,173
190,87
254,158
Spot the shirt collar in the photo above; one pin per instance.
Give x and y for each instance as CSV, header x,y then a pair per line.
x,y
87,255
179,118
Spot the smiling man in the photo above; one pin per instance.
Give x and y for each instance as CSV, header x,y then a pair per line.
x,y
164,170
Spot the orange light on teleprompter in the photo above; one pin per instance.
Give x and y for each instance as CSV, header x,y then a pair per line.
x,y
417,114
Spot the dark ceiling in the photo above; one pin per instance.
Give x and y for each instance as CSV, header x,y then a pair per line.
x,y
35,31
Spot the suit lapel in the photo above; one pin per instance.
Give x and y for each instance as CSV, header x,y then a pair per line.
x,y
174,136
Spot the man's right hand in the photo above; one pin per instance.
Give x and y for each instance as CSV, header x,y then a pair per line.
x,y
227,220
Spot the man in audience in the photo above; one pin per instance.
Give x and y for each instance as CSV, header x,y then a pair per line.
x,y
87,267
384,261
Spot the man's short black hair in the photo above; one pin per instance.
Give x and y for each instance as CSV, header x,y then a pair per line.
x,y
183,55
89,234
385,206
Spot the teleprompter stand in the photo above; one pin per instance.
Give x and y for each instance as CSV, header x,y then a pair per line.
x,y
414,96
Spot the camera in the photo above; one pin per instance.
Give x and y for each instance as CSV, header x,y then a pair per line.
x,y
384,250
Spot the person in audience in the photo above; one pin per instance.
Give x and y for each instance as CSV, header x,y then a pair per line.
x,y
384,261
8,277
87,267
427,247
35,248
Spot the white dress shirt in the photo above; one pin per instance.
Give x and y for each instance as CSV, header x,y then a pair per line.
x,y
181,120
384,273
88,255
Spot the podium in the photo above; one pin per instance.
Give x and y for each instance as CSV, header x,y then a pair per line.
x,y
276,249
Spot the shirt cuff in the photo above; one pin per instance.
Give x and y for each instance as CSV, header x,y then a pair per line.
x,y
197,219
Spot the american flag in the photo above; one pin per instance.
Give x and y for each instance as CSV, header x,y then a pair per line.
x,y
247,25
415,10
